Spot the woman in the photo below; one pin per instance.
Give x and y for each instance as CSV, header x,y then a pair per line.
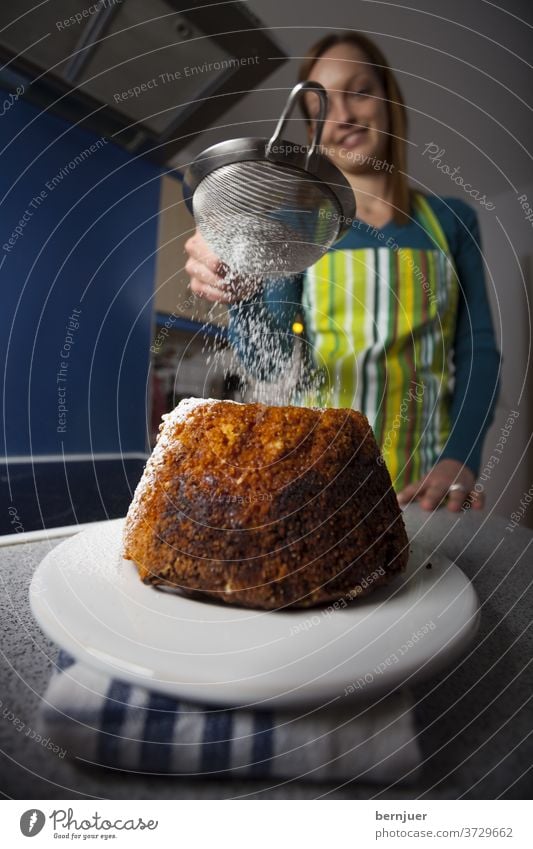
x,y
396,313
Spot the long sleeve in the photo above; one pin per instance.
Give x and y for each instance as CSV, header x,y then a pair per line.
x,y
475,355
260,329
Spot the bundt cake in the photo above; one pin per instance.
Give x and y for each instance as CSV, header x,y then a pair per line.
x,y
265,507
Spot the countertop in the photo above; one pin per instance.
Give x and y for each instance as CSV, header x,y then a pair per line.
x,y
474,718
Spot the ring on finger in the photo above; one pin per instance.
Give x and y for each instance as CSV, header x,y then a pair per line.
x,y
458,487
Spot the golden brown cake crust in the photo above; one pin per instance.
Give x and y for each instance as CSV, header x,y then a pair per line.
x,y
266,507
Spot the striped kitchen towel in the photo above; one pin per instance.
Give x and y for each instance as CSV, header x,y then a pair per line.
x,y
101,721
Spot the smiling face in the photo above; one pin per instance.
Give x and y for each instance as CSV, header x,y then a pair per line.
x,y
357,122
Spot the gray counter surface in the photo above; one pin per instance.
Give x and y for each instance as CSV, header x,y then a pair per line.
x,y
474,718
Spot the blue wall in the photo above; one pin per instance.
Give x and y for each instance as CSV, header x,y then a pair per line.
x,y
88,246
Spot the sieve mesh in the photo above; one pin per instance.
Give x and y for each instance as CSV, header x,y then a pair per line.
x,y
263,218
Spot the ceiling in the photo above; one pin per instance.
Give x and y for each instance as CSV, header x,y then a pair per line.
x,y
462,67
143,73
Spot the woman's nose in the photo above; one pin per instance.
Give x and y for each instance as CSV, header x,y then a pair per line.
x,y
338,111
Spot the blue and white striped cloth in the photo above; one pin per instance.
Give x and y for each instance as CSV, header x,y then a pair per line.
x,y
112,723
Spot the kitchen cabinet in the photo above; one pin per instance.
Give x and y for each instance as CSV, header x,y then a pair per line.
x,y
77,280
77,273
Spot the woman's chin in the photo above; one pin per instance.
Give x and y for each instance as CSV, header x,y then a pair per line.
x,y
355,160
364,164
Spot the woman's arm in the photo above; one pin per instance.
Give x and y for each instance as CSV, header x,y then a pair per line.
x,y
477,367
475,355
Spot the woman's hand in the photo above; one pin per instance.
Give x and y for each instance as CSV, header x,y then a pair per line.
x,y
210,278
434,488
206,272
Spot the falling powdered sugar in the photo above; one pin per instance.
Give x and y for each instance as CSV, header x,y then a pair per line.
x,y
272,362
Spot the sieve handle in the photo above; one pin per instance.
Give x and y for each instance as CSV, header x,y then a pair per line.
x,y
295,95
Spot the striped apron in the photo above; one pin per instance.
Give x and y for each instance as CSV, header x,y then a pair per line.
x,y
381,326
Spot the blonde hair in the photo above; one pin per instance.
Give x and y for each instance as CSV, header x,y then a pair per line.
x,y
397,113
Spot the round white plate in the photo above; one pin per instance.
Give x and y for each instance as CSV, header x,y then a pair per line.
x,y
91,602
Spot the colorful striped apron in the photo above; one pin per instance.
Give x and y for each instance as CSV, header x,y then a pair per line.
x,y
381,326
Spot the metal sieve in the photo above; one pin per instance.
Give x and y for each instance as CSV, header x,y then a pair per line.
x,y
270,206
